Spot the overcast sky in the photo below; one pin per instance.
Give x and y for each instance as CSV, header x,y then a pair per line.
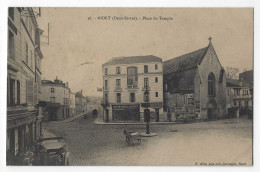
x,y
74,39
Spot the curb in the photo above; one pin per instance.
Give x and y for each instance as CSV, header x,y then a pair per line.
x,y
67,120
141,123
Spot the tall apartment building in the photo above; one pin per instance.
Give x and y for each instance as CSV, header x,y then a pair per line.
x,y
58,94
23,82
125,80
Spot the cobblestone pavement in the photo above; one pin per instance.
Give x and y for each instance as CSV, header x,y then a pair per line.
x,y
222,141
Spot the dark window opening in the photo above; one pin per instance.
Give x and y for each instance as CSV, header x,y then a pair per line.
x,y
117,70
145,68
132,97
211,84
132,77
11,49
118,83
105,71
11,12
146,82
106,85
118,97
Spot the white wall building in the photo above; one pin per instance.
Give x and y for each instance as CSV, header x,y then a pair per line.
x,y
57,92
124,81
23,78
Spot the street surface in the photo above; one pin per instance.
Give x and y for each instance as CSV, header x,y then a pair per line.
x,y
222,142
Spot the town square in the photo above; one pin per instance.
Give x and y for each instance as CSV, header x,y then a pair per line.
x,y
129,86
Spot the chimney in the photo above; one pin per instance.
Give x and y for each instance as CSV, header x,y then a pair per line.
x,y
67,84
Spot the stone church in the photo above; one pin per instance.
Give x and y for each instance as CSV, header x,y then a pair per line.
x,y
194,86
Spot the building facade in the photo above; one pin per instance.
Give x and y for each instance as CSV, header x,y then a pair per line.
x,y
239,94
125,80
195,86
58,93
23,78
247,76
81,103
72,104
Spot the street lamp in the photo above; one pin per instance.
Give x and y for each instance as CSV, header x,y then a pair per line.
x,y
147,111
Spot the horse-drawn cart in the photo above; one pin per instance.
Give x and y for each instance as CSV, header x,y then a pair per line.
x,y
132,137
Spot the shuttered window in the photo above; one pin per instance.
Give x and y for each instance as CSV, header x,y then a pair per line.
x,y
35,93
30,85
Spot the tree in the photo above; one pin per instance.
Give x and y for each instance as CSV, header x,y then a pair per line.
x,y
232,73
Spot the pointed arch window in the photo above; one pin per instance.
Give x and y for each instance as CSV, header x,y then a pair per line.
x,y
211,85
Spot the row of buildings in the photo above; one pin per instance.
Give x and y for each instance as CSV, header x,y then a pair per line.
x,y
58,102
24,118
191,86
31,100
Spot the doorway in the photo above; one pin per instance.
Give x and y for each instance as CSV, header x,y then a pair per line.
x,y
107,111
157,116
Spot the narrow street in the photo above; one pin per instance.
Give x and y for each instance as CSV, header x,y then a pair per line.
x,y
181,144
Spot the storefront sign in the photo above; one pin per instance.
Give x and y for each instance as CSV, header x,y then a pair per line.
x,y
122,107
152,104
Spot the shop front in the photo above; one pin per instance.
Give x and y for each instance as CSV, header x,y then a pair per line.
x,y
127,112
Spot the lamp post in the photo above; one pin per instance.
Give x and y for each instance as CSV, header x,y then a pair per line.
x,y
147,112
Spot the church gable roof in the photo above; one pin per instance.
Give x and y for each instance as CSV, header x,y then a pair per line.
x,y
185,61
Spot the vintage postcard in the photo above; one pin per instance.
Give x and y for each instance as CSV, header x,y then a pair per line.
x,y
130,86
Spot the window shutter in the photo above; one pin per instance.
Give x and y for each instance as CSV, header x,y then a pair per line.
x,y
35,94
30,91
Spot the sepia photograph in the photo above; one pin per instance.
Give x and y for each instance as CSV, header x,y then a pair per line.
x,y
129,86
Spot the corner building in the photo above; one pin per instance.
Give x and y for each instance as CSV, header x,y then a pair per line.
x,y
125,80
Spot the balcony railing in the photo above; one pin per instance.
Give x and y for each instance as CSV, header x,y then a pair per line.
x,y
118,89
132,87
249,96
